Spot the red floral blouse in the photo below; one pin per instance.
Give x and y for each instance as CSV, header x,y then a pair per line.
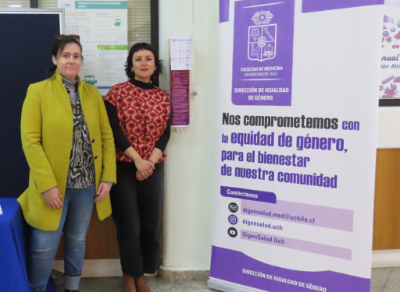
x,y
143,116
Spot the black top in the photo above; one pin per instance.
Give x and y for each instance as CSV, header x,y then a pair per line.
x,y
121,142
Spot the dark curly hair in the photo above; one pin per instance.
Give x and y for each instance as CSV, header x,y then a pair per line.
x,y
140,47
58,47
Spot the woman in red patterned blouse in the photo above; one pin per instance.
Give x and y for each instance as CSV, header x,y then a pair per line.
x,y
139,114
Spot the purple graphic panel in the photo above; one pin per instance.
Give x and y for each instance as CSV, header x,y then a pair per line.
x,y
246,194
236,267
322,5
307,246
263,52
327,217
223,11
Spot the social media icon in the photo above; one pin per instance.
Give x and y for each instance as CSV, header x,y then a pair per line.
x,y
233,207
233,219
232,232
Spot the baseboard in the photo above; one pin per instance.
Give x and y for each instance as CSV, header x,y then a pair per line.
x,y
98,268
95,268
386,258
183,274
112,267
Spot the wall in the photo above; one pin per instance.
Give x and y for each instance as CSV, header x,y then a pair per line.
x,y
388,120
387,200
189,183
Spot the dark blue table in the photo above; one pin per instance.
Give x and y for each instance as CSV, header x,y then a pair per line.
x,y
13,251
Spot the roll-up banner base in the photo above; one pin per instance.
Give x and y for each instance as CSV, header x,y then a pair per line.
x,y
300,82
227,286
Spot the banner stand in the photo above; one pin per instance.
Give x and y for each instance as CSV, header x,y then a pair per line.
x,y
298,102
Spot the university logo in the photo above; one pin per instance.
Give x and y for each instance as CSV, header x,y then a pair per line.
x,y
262,37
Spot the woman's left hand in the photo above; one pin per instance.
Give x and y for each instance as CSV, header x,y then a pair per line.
x,y
141,176
102,191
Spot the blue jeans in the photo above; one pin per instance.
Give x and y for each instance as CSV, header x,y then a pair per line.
x,y
77,210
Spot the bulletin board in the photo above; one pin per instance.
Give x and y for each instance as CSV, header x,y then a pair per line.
x,y
25,54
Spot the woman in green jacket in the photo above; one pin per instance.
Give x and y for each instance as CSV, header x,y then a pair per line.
x,y
69,146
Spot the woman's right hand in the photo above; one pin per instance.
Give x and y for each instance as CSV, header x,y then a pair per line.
x,y
53,198
144,166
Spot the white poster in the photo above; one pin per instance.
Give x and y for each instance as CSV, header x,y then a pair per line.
x,y
181,54
297,145
390,61
103,29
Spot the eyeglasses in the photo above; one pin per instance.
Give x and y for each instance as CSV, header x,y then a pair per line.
x,y
58,37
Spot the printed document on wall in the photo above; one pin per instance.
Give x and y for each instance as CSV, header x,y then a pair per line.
x,y
103,30
390,67
181,54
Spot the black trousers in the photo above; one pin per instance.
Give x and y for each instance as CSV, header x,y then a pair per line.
x,y
136,209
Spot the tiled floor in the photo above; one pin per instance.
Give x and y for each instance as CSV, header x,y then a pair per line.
x,y
383,280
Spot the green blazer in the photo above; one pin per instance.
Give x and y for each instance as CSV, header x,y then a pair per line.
x,y
46,132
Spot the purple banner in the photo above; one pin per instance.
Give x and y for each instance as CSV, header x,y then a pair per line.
x,y
263,52
251,195
322,5
236,267
223,11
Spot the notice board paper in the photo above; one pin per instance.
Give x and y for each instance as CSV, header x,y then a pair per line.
x,y
103,30
181,54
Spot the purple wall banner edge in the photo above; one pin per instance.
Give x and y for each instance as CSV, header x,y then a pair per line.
x,y
236,267
323,5
223,11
